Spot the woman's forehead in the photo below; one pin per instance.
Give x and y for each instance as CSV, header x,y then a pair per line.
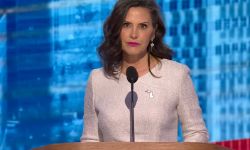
x,y
138,14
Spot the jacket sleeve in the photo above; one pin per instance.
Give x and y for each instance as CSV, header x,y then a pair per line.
x,y
189,111
90,128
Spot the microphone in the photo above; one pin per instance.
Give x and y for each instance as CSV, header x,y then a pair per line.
x,y
132,74
132,77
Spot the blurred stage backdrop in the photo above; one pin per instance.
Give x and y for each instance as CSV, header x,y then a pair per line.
x,y
48,47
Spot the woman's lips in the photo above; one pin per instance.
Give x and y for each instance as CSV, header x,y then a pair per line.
x,y
133,44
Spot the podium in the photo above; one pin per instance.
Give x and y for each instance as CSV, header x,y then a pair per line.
x,y
132,146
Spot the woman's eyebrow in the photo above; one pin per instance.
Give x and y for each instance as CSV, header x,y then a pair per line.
x,y
145,22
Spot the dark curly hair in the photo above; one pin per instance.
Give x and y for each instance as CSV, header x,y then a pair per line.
x,y
110,51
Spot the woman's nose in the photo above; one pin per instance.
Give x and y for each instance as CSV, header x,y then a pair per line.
x,y
134,33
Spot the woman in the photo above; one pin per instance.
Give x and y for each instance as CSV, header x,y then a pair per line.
x,y
165,94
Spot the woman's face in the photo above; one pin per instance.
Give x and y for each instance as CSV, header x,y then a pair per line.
x,y
136,32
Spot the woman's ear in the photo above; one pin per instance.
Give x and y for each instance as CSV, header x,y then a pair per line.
x,y
153,36
155,30
152,39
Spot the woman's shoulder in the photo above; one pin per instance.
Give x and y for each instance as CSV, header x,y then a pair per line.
x,y
174,67
97,73
97,70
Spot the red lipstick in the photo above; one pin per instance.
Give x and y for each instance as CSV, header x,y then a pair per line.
x,y
133,44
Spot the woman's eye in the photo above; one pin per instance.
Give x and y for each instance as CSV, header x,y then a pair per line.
x,y
144,26
125,24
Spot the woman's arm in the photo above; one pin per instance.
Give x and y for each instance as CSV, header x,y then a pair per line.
x,y
189,111
90,128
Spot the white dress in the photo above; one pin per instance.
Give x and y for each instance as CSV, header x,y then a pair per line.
x,y
161,102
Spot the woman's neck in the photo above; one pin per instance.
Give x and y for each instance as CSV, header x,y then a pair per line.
x,y
141,65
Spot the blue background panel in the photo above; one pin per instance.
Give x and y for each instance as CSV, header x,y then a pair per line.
x,y
48,48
